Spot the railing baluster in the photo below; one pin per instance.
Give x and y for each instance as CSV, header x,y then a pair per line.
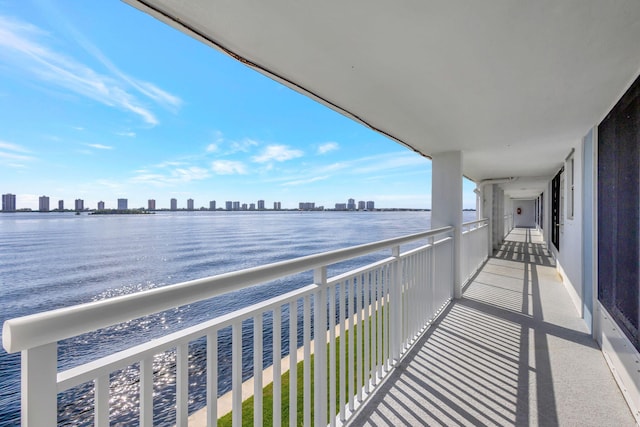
x,y
395,289
374,326
236,373
358,336
351,350
410,298
293,363
182,385
367,319
306,335
320,347
417,283
277,364
379,326
425,285
212,378
432,278
146,392
101,408
387,320
343,351
331,295
257,370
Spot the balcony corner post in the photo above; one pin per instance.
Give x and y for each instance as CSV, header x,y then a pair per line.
x,y
39,370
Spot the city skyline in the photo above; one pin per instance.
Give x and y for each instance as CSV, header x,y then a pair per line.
x,y
94,114
9,205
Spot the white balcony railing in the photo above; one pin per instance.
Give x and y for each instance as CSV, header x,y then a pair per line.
x,y
475,247
508,225
370,317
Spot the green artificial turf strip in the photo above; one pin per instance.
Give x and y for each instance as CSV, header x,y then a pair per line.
x,y
267,391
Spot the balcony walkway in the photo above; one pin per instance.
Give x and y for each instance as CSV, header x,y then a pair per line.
x,y
512,351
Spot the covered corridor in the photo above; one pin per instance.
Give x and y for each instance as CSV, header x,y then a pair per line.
x,y
512,351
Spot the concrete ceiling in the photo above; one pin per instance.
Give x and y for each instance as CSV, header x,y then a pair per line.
x,y
514,84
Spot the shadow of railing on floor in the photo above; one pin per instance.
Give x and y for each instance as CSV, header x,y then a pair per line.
x,y
478,362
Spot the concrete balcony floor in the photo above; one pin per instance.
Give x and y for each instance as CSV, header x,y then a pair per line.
x,y
512,351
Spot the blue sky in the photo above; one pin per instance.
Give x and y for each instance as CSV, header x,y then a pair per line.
x,y
99,101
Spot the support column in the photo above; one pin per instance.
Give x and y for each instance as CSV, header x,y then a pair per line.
x,y
446,203
487,212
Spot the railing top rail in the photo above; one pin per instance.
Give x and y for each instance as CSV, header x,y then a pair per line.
x,y
478,221
51,326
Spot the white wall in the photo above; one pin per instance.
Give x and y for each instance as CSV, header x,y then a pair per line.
x,y
570,256
527,216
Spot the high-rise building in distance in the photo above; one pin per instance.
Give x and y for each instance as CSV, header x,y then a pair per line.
x,y
79,204
8,202
244,207
228,205
341,206
351,205
174,205
60,205
190,204
43,204
252,206
212,205
362,205
151,204
306,206
236,206
260,205
100,205
277,206
371,206
123,204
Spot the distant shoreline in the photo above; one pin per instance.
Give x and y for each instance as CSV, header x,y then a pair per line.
x,y
147,211
120,212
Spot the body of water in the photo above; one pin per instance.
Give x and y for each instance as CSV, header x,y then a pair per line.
x,y
54,260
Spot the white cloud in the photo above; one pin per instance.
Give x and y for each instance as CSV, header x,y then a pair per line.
x,y
305,181
383,162
212,148
129,134
241,146
170,164
12,154
192,173
100,146
109,184
21,48
12,147
327,147
172,177
399,197
150,178
279,153
154,92
367,168
228,167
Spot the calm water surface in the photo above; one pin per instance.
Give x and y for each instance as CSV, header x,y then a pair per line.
x,y
53,260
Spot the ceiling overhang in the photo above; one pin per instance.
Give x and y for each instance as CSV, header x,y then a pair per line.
x,y
512,84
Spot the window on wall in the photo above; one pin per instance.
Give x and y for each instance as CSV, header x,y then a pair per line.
x,y
542,211
619,213
570,188
556,209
